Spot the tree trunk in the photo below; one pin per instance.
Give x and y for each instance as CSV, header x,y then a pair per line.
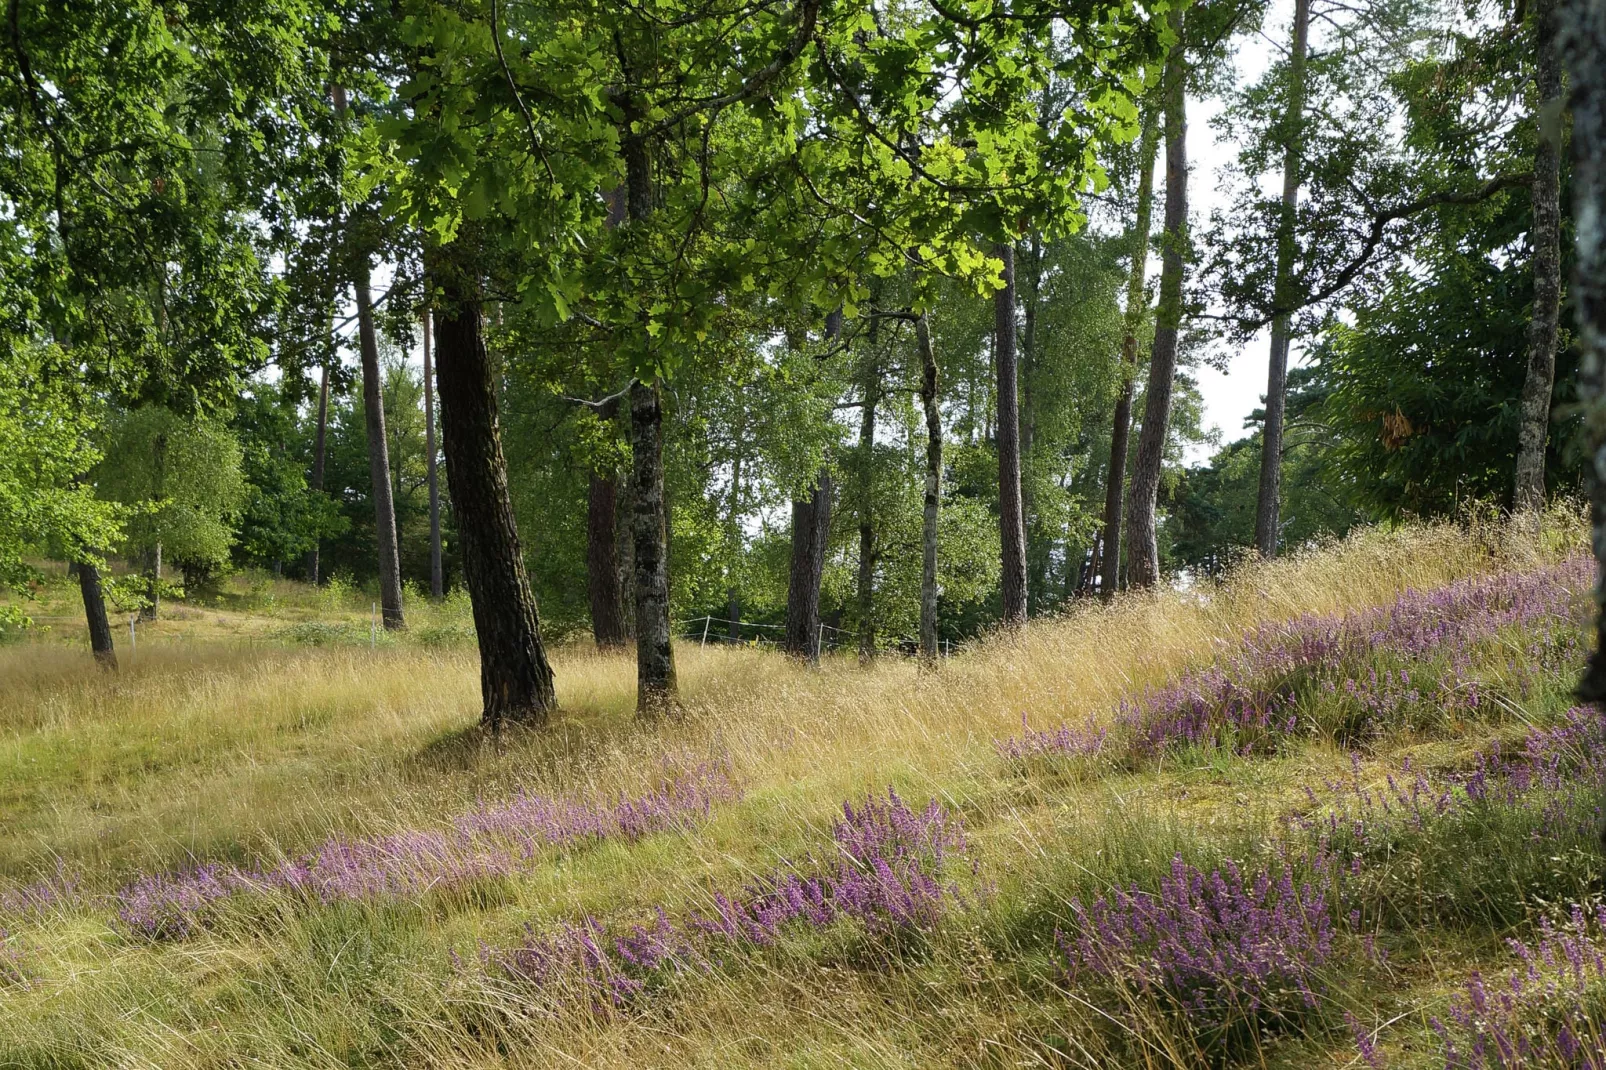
x,y
1582,37
318,441
515,679
811,533
1011,514
100,629
1136,306
867,552
1143,552
733,599
656,687
930,403
602,563
153,585
437,578
1038,550
373,406
1536,388
1271,436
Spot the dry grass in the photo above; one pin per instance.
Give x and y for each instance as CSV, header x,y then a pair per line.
x,y
211,749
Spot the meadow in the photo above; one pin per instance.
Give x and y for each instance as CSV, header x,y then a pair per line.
x,y
1336,810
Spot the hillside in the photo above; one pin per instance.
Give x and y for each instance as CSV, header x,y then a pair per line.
x,y
1337,810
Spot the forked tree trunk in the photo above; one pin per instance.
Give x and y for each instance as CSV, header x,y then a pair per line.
x,y
373,407
318,452
1271,437
1535,412
437,577
100,629
602,562
1136,307
1583,44
515,679
1143,552
1011,514
656,686
867,551
931,404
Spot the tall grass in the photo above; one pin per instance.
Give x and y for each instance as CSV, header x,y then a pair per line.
x,y
213,752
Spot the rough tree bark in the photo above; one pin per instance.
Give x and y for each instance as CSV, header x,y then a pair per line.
x,y
811,532
373,407
515,679
1271,441
931,404
1143,552
1532,431
1011,514
1037,556
871,396
100,629
656,686
319,439
437,578
1582,37
1137,306
608,626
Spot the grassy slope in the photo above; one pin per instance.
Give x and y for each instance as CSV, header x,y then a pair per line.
x,y
206,749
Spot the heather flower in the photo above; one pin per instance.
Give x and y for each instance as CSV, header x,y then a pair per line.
x,y
1222,946
11,972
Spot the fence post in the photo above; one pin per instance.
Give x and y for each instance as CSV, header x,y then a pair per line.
x,y
707,620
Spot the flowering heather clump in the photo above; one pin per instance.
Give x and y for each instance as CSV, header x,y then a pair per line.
x,y
1224,946
493,840
1065,741
59,889
1366,670
886,878
1550,1012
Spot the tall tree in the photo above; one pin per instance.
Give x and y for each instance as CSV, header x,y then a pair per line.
x,y
515,679
320,439
1143,551
437,584
1546,197
931,404
1137,308
869,399
811,537
355,254
1271,455
1011,516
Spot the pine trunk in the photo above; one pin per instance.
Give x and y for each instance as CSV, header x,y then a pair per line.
x,y
1136,307
1271,441
1143,552
602,562
515,679
320,436
437,577
1011,514
931,404
656,688
100,629
1535,412
1582,36
867,552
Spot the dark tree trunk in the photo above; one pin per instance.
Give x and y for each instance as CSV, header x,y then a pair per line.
x,y
1039,544
1137,306
930,402
515,679
1582,37
811,529
100,629
656,687
437,577
318,451
602,563
867,551
153,585
1143,553
733,599
1536,388
1271,441
1011,514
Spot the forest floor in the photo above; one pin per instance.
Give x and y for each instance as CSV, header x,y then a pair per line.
x,y
1335,811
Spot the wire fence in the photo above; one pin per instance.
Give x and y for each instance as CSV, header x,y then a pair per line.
x,y
702,630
